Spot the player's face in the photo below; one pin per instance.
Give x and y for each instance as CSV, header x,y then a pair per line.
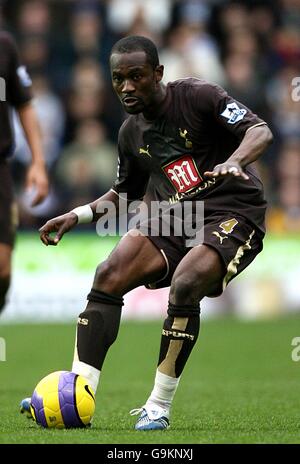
x,y
135,81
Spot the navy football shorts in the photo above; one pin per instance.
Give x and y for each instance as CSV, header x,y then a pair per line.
x,y
233,237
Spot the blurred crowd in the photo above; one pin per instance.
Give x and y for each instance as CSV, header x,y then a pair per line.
x,y
251,48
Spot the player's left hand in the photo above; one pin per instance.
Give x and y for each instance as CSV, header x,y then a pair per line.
x,y
226,169
37,179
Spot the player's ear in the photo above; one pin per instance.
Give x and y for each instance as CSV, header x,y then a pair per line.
x,y
159,73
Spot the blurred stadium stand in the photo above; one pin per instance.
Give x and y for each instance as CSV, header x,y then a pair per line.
x,y
251,48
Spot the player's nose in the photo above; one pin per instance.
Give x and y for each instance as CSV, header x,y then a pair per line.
x,y
128,86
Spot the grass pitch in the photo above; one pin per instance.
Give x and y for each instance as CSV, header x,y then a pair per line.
x,y
240,386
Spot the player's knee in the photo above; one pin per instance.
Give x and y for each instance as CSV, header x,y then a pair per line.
x,y
187,288
107,276
183,290
105,273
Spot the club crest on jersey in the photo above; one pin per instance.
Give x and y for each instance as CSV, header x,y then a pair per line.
x,y
183,174
184,134
233,113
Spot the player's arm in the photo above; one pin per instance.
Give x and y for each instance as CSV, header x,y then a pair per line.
x,y
80,215
36,177
251,132
19,96
131,183
255,142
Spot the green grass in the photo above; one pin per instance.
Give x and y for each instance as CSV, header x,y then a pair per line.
x,y
240,386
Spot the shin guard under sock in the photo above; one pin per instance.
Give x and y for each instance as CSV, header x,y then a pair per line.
x,y
97,328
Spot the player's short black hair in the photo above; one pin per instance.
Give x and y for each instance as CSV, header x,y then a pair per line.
x,y
135,43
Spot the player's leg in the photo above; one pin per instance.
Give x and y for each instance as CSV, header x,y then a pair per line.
x,y
134,262
8,225
5,272
230,245
199,274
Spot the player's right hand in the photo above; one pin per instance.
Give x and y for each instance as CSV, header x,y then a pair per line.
x,y
60,225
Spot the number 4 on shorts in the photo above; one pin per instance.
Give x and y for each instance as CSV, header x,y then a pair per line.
x,y
228,226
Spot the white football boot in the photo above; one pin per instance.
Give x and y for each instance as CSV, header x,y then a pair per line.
x,y
152,417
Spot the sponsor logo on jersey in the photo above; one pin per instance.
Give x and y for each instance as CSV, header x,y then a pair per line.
x,y
179,196
233,113
183,174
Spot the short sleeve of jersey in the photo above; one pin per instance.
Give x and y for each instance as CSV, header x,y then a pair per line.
x,y
18,85
230,113
131,178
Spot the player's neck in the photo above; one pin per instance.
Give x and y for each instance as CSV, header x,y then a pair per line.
x,y
154,110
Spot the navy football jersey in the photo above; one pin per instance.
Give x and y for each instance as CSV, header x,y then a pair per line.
x,y
15,90
199,126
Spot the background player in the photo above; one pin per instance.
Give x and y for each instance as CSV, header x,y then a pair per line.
x,y
194,129
16,93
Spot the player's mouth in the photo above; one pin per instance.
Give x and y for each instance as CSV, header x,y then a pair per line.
x,y
130,102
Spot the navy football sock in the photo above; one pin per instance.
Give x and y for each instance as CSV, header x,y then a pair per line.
x,y
179,335
97,327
